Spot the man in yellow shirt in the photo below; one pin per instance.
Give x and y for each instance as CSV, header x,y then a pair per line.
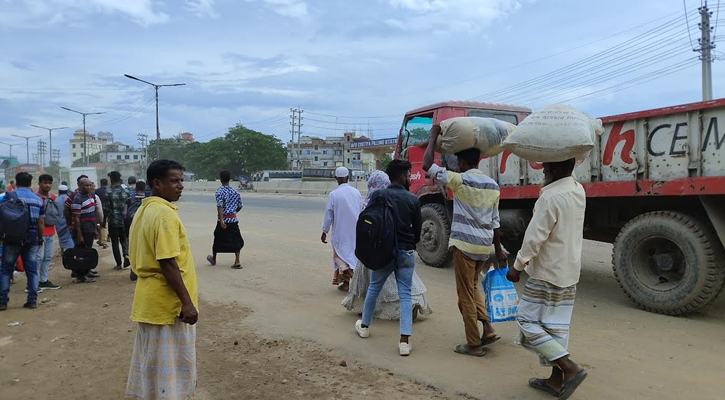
x,y
163,365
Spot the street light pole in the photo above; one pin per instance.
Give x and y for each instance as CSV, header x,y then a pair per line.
x,y
156,88
85,146
27,144
50,139
11,147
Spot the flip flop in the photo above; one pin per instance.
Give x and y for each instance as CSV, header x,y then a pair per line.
x,y
489,340
236,266
463,349
572,384
540,384
211,261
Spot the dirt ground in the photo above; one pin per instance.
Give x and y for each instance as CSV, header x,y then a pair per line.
x,y
292,334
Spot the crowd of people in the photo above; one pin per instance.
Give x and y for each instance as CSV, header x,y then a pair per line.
x,y
551,255
147,234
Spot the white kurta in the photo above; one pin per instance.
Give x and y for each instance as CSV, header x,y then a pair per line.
x,y
343,207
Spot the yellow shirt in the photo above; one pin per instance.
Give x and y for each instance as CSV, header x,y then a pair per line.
x,y
158,234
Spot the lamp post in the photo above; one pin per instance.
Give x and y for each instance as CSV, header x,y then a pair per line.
x,y
11,147
27,144
85,147
50,139
156,88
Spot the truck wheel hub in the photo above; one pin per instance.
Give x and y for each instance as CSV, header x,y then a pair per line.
x,y
429,235
659,263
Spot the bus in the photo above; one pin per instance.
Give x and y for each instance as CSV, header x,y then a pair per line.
x,y
280,175
318,174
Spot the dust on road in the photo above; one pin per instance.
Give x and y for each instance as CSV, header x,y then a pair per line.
x,y
292,334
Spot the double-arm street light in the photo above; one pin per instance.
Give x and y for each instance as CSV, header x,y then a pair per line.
x,y
85,147
156,87
27,144
50,139
11,147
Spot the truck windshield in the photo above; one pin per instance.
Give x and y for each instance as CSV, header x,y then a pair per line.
x,y
417,130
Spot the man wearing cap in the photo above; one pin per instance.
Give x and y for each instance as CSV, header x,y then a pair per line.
x,y
343,207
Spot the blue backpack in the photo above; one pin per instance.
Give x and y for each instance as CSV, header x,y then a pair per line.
x,y
14,220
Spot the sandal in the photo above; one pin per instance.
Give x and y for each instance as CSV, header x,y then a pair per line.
x,y
463,349
568,388
345,287
81,280
236,266
211,261
489,340
540,384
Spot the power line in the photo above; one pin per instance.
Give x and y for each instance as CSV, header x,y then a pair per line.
x,y
687,19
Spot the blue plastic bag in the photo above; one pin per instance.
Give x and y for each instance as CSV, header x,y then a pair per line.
x,y
501,297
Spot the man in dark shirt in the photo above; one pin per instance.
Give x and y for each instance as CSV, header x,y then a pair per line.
x,y
114,207
408,226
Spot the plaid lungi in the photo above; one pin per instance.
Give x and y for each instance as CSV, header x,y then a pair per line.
x,y
163,365
544,316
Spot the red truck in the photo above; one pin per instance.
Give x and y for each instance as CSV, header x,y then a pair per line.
x,y
655,186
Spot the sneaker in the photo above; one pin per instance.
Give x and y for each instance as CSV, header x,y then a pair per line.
x,y
405,349
93,274
40,289
47,285
362,332
31,306
3,306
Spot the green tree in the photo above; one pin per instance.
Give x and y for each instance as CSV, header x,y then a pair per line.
x,y
385,159
93,158
418,135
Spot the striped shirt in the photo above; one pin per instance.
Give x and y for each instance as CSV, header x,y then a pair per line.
x,y
229,200
475,210
85,206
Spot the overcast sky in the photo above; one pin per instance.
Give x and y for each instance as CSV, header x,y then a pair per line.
x,y
365,61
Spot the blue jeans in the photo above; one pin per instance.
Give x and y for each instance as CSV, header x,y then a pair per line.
x,y
45,256
403,266
29,255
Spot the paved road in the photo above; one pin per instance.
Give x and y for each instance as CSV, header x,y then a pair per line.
x,y
630,354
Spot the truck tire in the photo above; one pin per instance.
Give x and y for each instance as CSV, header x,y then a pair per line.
x,y
668,262
433,246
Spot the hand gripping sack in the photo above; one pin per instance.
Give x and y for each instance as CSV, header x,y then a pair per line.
x,y
376,240
554,133
14,220
501,298
485,134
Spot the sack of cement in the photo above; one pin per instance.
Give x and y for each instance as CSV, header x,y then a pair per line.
x,y
461,133
554,133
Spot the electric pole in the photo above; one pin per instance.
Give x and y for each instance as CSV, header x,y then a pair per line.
x,y
296,122
705,50
41,151
143,142
156,87
85,146
27,145
55,156
50,138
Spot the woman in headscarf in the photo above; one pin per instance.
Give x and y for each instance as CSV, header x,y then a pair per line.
x,y
388,307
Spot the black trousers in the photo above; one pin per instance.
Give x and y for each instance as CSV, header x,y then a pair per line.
x,y
118,236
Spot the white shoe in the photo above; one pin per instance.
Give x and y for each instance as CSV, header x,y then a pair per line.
x,y
405,349
362,332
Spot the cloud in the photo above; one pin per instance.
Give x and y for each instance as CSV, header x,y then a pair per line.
x,y
288,8
471,16
39,13
202,8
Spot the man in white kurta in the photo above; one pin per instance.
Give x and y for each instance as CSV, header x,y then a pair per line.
x,y
343,207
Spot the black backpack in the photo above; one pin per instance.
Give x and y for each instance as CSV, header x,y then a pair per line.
x,y
376,240
132,211
14,220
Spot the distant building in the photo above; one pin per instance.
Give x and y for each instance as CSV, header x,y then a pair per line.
x,y
187,138
94,144
106,137
125,155
331,152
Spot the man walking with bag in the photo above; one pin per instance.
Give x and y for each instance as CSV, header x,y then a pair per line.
x,y
86,218
408,222
551,255
475,238
53,216
22,239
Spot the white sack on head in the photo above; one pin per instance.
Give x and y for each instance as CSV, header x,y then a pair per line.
x,y
461,133
554,133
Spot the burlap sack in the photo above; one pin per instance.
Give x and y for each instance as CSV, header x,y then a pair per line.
x,y
461,133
